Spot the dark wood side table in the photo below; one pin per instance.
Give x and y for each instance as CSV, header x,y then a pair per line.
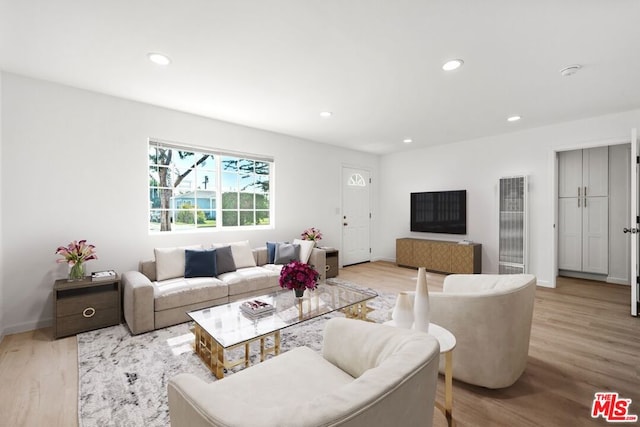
x,y
85,305
332,262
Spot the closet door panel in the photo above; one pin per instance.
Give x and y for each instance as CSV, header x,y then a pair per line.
x,y
569,234
595,235
569,173
595,172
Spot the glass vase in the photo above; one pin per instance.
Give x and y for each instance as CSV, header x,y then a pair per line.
x,y
76,272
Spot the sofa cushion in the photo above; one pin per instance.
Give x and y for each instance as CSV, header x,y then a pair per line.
x,y
200,263
224,260
286,252
306,246
276,268
170,261
249,279
180,292
242,254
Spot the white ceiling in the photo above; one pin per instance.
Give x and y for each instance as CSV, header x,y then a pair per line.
x,y
276,64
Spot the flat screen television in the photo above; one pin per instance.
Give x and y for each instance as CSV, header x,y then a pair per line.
x,y
439,212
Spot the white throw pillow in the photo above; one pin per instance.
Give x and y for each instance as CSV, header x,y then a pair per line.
x,y
306,246
242,254
170,261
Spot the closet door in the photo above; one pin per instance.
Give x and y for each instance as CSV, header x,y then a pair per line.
x,y
570,234
583,210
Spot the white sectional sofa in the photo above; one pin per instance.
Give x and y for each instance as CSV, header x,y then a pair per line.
x,y
368,375
159,294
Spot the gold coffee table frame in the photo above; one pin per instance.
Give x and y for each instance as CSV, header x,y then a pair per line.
x,y
212,352
223,328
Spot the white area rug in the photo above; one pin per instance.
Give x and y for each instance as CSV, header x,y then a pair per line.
x,y
123,378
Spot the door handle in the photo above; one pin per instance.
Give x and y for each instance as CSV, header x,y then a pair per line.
x,y
630,230
345,224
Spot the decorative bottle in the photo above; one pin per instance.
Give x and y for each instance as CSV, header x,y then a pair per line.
x,y
421,303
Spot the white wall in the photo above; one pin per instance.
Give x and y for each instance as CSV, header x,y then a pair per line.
x,y
1,241
75,167
476,165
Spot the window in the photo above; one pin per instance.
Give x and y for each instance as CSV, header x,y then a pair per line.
x,y
356,180
201,189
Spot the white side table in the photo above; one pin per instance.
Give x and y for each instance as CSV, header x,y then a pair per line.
x,y
447,343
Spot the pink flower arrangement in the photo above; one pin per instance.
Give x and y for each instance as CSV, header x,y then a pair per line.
x,y
76,252
311,234
298,275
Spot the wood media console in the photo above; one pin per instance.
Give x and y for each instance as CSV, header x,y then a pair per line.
x,y
439,255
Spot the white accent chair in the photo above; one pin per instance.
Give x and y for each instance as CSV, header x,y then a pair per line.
x,y
490,316
368,375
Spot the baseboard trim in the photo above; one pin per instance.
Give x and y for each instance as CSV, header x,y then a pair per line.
x,y
544,283
618,281
380,258
581,275
28,326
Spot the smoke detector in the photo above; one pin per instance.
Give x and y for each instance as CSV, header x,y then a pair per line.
x,y
570,70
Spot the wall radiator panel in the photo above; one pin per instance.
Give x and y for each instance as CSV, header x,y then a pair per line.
x,y
513,225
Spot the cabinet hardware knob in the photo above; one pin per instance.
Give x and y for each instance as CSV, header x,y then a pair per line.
x,y
89,312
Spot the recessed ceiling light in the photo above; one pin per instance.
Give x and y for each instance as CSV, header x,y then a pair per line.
x,y
407,140
159,58
453,64
570,70
513,118
326,114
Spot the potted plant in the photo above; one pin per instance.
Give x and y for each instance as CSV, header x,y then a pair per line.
x,y
298,276
75,254
311,234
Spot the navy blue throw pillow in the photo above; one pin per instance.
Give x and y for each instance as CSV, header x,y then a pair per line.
x,y
200,263
271,252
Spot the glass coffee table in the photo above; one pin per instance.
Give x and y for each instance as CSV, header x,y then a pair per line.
x,y
226,327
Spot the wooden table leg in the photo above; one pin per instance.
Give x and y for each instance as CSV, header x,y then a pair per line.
x,y
447,408
448,387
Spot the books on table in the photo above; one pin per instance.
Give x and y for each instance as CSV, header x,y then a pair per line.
x,y
256,307
103,275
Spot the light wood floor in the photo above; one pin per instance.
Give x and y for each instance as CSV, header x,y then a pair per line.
x,y
583,340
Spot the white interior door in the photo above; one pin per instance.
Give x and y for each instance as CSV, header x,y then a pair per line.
x,y
633,228
356,216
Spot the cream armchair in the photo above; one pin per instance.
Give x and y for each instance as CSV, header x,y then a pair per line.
x,y
490,316
368,375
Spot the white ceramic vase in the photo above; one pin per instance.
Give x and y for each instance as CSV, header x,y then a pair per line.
x,y
402,313
421,316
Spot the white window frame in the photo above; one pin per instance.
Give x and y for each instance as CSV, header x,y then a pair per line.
x,y
218,155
